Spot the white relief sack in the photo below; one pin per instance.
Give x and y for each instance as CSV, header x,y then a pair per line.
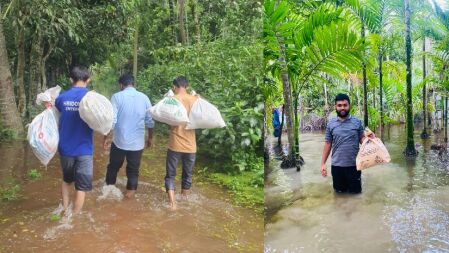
x,y
204,115
49,95
96,110
43,136
170,111
372,152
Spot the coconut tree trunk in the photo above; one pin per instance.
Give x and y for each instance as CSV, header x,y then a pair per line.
x,y
20,72
424,134
410,148
10,117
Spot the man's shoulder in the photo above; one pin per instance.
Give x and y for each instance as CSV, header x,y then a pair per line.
x,y
332,121
356,120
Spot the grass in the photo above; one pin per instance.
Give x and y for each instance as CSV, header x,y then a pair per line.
x,y
10,193
246,187
34,174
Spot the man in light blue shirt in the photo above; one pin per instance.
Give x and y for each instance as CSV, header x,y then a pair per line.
x,y
131,116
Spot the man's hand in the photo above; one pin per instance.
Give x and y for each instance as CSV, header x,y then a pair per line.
x,y
106,143
323,170
47,104
149,143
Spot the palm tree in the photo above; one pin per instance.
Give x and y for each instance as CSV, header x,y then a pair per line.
x,y
410,148
320,42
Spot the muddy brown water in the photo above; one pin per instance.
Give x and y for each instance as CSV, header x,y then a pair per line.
x,y
404,206
208,222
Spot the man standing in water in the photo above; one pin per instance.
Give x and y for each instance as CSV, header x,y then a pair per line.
x,y
181,146
75,141
343,135
131,116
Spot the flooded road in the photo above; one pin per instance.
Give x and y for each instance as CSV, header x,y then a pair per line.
x,y
404,206
208,222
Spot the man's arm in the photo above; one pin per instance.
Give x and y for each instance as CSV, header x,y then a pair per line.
x,y
149,123
149,142
326,152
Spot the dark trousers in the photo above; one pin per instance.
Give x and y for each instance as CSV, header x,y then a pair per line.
x,y
188,160
116,158
347,179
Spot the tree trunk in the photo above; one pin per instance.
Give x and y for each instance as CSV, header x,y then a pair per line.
x,y
34,82
21,105
136,46
10,117
196,19
181,21
326,104
381,105
445,119
424,134
289,114
365,94
410,148
51,47
171,6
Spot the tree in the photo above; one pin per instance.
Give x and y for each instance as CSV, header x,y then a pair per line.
x,y
410,147
10,117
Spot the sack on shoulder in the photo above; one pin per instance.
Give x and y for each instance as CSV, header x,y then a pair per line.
x,y
96,110
169,111
204,115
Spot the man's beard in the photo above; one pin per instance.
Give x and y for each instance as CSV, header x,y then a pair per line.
x,y
342,113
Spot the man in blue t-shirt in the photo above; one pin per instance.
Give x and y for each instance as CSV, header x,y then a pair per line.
x,y
75,141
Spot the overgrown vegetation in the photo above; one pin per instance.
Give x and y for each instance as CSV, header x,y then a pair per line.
x,y
215,44
390,57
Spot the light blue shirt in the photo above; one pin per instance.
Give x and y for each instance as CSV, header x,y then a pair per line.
x,y
131,115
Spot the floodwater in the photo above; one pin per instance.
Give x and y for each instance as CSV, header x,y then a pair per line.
x,y
404,206
207,222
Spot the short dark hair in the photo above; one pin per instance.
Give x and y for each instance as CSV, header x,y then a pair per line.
x,y
342,97
181,81
79,73
126,80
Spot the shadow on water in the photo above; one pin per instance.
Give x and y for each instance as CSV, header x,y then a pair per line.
x,y
208,222
404,206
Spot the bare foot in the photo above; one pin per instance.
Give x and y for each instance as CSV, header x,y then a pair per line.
x,y
184,195
173,206
129,194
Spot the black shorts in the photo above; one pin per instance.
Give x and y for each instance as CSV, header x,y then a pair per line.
x,y
346,179
78,169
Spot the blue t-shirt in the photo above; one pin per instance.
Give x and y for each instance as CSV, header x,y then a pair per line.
x,y
75,136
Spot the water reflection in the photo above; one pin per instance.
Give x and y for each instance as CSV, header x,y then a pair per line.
x,y
208,222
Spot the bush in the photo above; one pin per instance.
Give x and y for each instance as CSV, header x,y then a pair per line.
x,y
226,73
